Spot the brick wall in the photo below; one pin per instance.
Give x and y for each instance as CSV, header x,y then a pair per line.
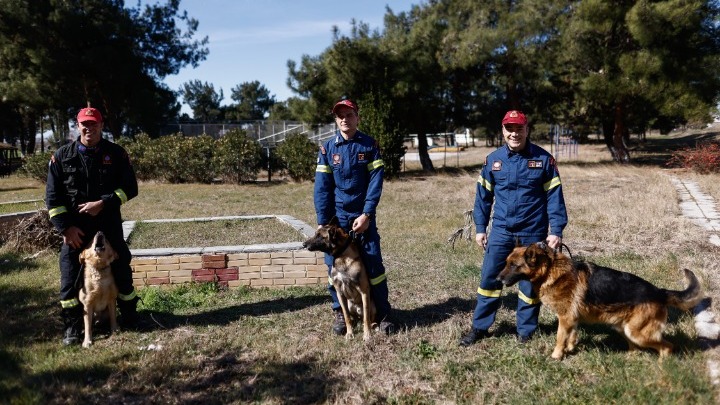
x,y
276,269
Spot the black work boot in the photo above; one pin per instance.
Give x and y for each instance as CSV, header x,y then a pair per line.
x,y
386,325
473,336
338,326
128,318
73,324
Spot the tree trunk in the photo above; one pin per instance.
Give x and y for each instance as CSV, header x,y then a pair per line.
x,y
425,161
614,131
619,133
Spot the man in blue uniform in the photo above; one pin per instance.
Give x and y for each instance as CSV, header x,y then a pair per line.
x,y
87,182
348,184
524,183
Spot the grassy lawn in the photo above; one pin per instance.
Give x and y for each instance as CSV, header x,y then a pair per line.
x,y
274,346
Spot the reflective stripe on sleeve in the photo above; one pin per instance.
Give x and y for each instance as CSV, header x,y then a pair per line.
x,y
552,184
70,303
323,169
57,211
375,164
489,293
485,184
121,194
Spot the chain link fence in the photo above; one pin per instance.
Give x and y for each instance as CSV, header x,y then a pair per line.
x,y
268,133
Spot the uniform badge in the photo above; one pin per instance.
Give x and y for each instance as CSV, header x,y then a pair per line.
x,y
361,156
497,165
336,159
535,164
322,150
107,160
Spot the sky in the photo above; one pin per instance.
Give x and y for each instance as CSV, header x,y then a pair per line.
x,y
253,39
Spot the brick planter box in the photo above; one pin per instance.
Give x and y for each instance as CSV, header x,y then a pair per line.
x,y
280,265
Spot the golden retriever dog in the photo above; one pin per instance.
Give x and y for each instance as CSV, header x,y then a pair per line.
x,y
348,275
584,292
99,292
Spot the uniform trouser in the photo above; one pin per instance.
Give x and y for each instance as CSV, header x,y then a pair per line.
x,y
70,278
371,256
500,244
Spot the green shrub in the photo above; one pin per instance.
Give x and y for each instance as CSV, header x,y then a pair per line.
x,y
36,166
704,158
237,157
141,155
299,156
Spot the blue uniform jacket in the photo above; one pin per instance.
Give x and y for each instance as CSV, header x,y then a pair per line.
x,y
527,192
348,177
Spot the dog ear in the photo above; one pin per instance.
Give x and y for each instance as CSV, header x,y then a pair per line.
x,y
531,255
334,221
82,257
542,245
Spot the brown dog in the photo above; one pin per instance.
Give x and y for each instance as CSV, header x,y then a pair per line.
x,y
348,275
584,292
99,292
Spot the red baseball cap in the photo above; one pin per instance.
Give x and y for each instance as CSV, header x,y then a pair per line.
x,y
89,114
346,103
514,117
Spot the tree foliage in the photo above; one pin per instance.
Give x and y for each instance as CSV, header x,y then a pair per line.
x,y
60,55
203,100
617,65
253,101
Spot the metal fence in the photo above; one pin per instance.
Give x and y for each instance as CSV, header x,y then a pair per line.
x,y
268,133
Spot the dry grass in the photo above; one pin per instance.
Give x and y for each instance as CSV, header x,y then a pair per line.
x,y
274,347
149,235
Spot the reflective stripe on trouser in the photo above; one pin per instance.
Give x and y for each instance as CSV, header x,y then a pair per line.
x,y
70,283
499,246
372,258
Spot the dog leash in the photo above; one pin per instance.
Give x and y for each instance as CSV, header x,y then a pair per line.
x,y
562,245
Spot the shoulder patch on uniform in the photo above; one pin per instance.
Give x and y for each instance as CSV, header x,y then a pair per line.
x,y
497,165
322,150
361,156
336,159
107,160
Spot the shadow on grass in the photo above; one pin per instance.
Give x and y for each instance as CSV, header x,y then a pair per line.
x,y
432,313
10,263
222,316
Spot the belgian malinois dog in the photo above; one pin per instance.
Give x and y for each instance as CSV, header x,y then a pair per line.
x,y
584,292
348,275
99,292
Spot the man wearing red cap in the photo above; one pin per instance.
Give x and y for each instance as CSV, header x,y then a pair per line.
x,y
348,184
87,182
523,182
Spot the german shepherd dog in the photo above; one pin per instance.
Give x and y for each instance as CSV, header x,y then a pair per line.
x,y
348,275
99,292
584,292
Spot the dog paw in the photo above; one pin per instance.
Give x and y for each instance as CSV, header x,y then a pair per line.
x,y
86,344
557,354
349,336
366,337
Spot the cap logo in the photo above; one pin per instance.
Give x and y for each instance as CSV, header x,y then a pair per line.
x,y
513,114
89,112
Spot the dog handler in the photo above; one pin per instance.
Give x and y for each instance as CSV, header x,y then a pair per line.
x,y
348,184
88,181
524,183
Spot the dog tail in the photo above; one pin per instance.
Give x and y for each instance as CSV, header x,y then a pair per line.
x,y
689,297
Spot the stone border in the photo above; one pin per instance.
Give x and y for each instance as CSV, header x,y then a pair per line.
x,y
280,265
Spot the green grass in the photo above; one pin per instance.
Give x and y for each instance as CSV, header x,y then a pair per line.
x,y
21,207
210,345
148,235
